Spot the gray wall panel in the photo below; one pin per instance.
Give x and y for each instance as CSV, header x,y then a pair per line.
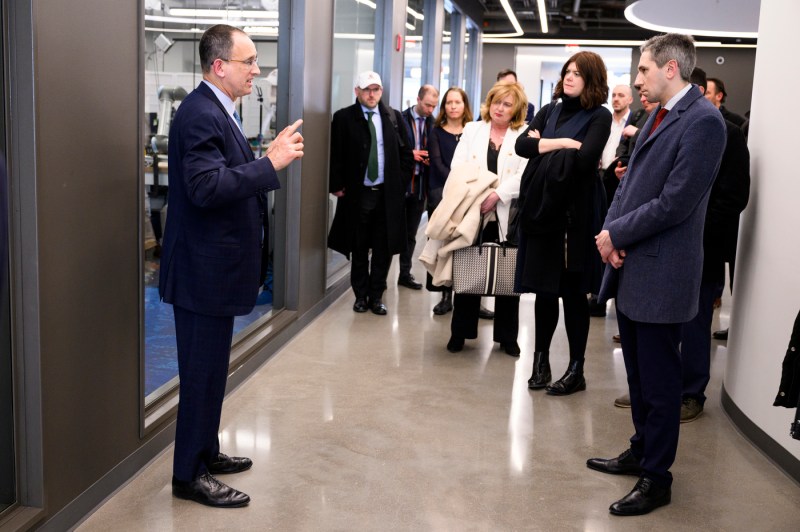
x,y
317,80
88,152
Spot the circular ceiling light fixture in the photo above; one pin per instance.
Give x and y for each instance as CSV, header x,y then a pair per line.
x,y
707,18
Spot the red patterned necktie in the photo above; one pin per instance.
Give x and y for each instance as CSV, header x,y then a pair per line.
x,y
659,117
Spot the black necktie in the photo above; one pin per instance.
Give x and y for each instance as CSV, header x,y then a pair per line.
x,y
372,164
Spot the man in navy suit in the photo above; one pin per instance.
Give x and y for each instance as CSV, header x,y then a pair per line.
x,y
652,240
210,264
418,121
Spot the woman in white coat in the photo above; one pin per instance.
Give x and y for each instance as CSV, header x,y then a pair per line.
x,y
489,143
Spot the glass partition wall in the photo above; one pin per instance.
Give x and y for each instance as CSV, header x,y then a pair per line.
x,y
172,70
353,52
412,57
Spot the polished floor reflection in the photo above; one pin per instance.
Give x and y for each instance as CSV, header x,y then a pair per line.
x,y
365,422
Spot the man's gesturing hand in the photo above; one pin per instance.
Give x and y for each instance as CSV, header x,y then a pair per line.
x,y
286,147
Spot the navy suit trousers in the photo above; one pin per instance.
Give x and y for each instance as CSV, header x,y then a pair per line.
x,y
696,345
653,364
204,348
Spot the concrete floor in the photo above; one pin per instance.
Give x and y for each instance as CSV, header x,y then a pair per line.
x,y
365,422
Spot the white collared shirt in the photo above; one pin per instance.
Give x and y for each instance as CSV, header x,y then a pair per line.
x,y
610,150
376,120
226,102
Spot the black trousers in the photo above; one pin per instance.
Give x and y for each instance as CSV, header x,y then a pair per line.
x,y
204,348
414,209
368,273
466,307
464,323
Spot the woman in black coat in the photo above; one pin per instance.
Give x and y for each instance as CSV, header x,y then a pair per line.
x,y
454,114
562,206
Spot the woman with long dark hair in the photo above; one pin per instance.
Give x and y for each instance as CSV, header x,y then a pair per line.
x,y
562,206
454,114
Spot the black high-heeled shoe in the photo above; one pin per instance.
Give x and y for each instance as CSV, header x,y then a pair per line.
x,y
541,370
572,381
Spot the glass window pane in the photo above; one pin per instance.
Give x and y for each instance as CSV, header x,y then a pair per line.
x,y
446,47
412,69
172,70
353,52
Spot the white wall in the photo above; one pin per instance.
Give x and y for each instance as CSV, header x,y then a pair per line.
x,y
767,283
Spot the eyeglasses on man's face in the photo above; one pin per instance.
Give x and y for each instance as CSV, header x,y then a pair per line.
x,y
248,62
372,90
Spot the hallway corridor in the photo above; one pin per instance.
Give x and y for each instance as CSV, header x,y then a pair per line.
x,y
364,422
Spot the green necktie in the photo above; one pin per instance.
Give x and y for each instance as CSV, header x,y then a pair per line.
x,y
372,165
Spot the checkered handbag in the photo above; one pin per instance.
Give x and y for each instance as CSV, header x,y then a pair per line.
x,y
485,270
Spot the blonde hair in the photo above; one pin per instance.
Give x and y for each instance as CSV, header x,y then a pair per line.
x,y
500,90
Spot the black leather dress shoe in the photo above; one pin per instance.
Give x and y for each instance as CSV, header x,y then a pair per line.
x,y
624,464
409,282
485,314
360,305
643,499
207,490
511,348
720,335
455,344
377,307
225,464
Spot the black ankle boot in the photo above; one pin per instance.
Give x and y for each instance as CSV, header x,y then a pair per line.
x,y
571,382
541,370
445,305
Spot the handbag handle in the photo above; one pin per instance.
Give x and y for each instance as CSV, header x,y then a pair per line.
x,y
503,241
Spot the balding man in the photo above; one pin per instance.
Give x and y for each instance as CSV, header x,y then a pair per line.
x,y
212,251
419,121
621,100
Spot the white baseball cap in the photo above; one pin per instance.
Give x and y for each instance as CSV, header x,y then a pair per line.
x,y
365,79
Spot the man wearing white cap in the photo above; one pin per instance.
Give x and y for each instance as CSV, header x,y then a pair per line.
x,y
371,163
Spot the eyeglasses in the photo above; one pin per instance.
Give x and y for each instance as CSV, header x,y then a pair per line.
x,y
249,62
372,91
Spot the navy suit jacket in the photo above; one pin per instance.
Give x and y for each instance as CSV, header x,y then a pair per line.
x,y
211,253
658,213
419,189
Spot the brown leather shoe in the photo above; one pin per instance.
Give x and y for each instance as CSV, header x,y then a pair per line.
x,y
623,401
690,410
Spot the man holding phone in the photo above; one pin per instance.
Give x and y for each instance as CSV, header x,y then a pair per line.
x,y
419,121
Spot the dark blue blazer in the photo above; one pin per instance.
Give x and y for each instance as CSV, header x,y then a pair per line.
x,y
658,213
211,253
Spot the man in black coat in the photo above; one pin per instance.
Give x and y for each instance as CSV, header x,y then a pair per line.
x,y
418,122
716,94
729,196
371,163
